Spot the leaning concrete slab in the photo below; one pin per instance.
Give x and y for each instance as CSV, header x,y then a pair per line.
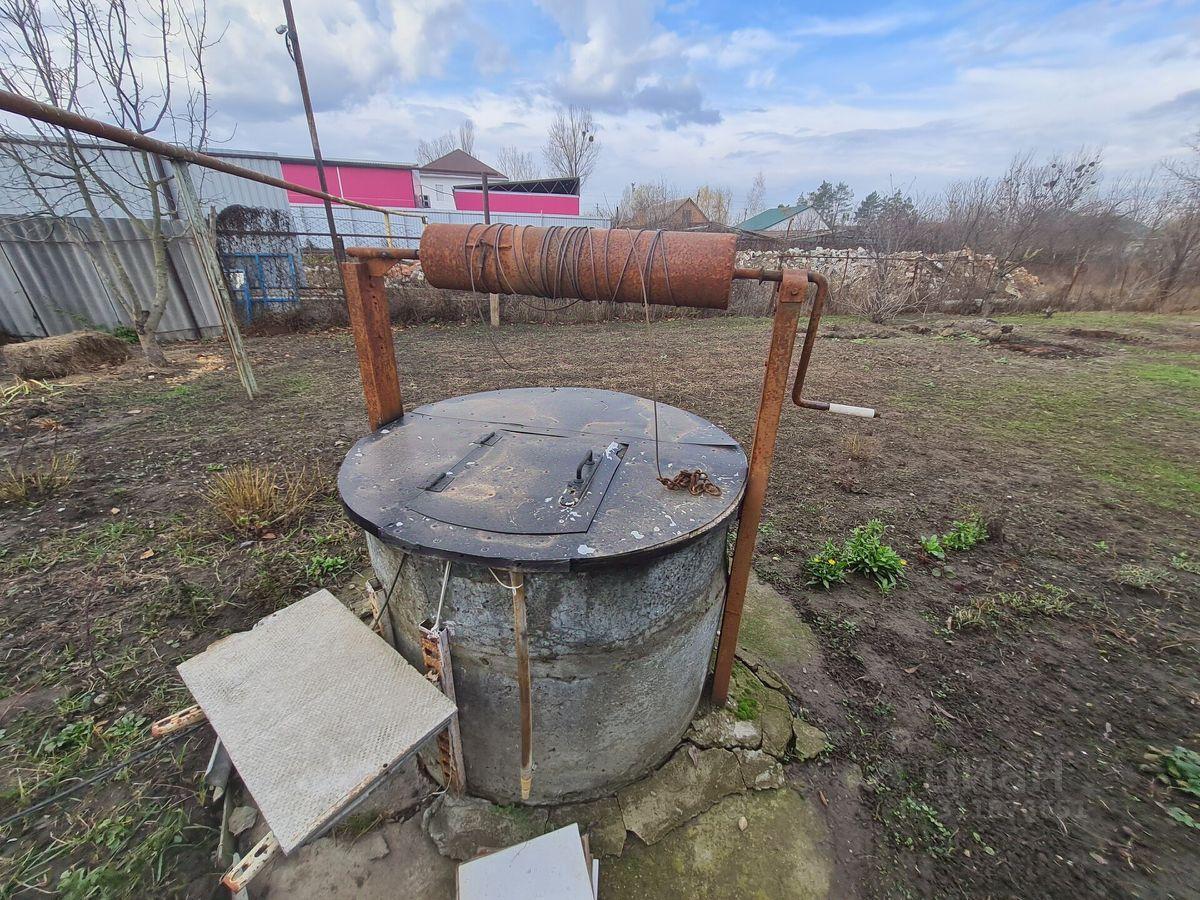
x,y
782,855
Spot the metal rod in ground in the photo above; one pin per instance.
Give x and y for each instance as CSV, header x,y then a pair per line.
x,y
770,407
293,38
523,683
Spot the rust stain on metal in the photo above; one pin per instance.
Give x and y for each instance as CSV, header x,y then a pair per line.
x,y
617,265
789,295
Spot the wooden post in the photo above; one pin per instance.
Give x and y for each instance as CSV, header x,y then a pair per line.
x,y
493,299
206,246
372,328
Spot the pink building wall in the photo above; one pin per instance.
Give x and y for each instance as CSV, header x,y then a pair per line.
x,y
366,184
504,201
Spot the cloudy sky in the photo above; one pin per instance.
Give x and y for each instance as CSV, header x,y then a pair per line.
x,y
875,94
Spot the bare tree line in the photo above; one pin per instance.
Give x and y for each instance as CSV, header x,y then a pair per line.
x,y
570,151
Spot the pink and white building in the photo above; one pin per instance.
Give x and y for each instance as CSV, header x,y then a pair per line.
x,y
453,182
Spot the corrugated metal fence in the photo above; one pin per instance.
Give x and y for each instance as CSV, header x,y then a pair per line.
x,y
55,278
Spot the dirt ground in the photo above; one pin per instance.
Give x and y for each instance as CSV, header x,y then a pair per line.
x,y
994,761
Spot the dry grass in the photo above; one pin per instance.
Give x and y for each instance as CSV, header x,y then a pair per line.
x,y
861,446
1000,609
65,354
258,499
22,482
21,388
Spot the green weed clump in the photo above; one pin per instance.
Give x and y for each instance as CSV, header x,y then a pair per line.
x,y
1178,769
321,567
932,545
965,533
826,568
867,555
1143,578
1185,562
863,553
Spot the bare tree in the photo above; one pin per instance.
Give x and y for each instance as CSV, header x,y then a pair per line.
x,y
755,197
887,225
463,139
646,205
466,136
518,166
1169,251
137,63
571,149
715,202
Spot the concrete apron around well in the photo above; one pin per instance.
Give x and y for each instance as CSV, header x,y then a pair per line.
x,y
618,659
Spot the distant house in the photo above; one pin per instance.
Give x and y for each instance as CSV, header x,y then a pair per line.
x,y
678,214
785,219
438,179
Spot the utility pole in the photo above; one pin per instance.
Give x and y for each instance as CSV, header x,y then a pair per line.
x,y
493,299
293,46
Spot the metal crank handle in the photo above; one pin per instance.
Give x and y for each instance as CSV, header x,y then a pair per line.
x,y
810,336
841,408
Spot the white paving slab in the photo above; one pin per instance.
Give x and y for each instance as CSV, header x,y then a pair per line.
x,y
314,709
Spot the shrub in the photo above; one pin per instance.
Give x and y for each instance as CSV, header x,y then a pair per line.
x,y
255,499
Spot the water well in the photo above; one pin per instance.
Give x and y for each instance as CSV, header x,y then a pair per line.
x,y
623,580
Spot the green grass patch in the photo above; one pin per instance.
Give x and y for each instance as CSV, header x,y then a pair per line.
x,y
1113,424
1169,375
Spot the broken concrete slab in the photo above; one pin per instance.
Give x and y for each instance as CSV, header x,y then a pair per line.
x,y
760,770
241,819
809,740
409,866
783,854
681,789
721,728
775,719
772,630
464,827
600,820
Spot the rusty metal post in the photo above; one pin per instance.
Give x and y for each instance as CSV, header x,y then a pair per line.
x,y
789,296
372,328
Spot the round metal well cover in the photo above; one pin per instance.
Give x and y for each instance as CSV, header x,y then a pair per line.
x,y
539,478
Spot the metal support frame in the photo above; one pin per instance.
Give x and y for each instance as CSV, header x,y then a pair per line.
x,y
381,386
